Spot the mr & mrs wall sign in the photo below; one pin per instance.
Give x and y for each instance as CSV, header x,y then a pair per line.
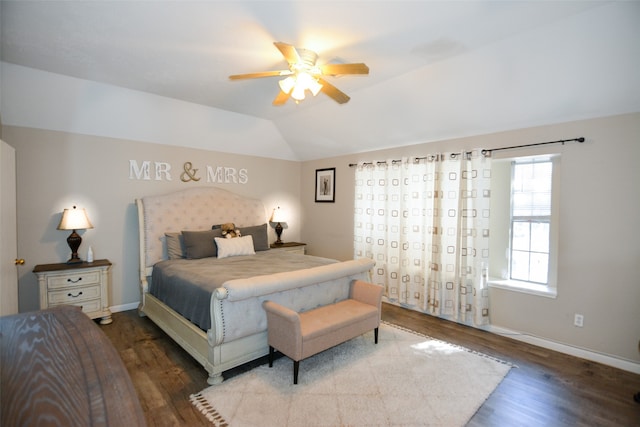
x,y
162,171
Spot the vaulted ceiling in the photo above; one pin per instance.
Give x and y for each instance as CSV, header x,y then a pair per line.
x,y
438,69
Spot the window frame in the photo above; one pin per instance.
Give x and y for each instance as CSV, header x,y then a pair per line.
x,y
530,220
501,226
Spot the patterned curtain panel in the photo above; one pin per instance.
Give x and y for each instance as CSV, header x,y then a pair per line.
x,y
425,221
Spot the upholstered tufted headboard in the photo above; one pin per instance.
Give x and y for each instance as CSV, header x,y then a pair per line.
x,y
191,209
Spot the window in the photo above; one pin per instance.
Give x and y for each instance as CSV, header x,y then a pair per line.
x,y
530,221
524,232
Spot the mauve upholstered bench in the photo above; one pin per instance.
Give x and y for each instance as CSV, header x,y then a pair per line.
x,y
301,335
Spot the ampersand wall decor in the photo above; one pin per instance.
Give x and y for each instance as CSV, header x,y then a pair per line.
x,y
189,173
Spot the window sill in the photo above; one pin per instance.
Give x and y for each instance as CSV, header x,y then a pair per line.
x,y
524,287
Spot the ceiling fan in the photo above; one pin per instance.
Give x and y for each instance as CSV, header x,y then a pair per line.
x,y
303,74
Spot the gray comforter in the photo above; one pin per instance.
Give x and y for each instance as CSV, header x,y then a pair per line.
x,y
186,285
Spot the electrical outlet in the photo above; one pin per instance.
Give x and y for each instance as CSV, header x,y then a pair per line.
x,y
578,320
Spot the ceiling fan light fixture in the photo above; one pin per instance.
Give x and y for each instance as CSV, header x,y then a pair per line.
x,y
298,92
303,74
287,84
310,83
299,84
315,88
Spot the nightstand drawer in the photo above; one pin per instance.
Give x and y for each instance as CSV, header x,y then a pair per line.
x,y
73,279
90,306
72,295
293,247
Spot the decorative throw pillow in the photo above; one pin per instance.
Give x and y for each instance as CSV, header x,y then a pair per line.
x,y
234,247
175,245
200,244
259,234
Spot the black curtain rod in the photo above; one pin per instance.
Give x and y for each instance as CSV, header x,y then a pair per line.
x,y
486,151
561,141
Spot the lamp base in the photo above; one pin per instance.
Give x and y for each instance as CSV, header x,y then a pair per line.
x,y
74,240
278,233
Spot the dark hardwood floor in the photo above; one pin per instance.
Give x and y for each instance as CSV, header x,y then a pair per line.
x,y
546,388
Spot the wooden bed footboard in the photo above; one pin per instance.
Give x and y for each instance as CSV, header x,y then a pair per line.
x,y
214,358
210,348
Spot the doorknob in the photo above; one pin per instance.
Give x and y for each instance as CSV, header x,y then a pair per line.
x,y
19,261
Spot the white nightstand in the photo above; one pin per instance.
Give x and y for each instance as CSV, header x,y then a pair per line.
x,y
295,247
84,284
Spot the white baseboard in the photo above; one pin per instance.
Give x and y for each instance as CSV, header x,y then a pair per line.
x,y
605,359
124,307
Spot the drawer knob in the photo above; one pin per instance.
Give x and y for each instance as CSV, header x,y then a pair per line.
x,y
74,296
74,281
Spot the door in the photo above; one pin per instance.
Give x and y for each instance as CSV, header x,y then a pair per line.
x,y
8,235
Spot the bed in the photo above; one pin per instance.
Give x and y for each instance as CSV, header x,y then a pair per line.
x,y
180,265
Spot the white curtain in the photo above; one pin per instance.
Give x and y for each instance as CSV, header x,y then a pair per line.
x,y
425,221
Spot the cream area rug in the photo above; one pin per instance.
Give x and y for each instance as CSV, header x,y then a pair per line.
x,y
404,380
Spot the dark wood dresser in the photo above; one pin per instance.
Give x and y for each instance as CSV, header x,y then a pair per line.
x,y
57,368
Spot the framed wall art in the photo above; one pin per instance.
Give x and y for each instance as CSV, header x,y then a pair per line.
x,y
326,185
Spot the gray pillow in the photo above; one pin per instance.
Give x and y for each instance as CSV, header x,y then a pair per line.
x,y
259,234
200,244
175,245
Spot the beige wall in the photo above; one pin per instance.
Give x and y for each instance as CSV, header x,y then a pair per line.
x,y
599,251
56,170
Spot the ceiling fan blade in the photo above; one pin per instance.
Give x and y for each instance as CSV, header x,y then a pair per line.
x,y
335,69
281,98
259,75
339,96
289,52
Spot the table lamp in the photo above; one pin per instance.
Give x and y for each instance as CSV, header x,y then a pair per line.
x,y
74,219
278,217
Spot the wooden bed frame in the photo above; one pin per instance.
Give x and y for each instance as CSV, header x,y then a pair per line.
x,y
199,209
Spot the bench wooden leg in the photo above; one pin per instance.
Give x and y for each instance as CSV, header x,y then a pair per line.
x,y
296,366
271,356
375,334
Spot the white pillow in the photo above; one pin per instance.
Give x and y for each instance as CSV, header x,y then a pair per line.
x,y
235,246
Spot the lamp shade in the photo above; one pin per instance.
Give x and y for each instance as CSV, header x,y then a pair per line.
x,y
298,92
278,215
307,82
287,84
74,219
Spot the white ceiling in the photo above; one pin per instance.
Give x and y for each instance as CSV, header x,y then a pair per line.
x,y
439,69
